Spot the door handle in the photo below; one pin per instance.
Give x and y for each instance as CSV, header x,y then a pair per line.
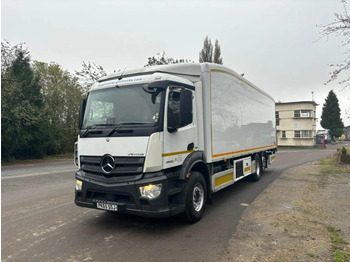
x,y
190,146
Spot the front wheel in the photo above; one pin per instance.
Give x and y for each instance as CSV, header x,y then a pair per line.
x,y
196,197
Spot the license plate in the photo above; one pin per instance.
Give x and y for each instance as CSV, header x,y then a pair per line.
x,y
110,207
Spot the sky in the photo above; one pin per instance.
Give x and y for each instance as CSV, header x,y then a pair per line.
x,y
274,43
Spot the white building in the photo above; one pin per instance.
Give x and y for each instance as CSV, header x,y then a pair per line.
x,y
296,123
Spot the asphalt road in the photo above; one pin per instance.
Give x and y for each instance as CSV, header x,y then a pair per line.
x,y
40,222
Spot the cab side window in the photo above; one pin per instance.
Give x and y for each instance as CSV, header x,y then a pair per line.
x,y
174,109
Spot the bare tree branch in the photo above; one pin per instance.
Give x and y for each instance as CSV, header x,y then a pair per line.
x,y
89,74
340,27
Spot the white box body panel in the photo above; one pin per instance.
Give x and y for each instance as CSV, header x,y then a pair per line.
x,y
239,118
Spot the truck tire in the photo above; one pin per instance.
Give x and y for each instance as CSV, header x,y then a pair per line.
x,y
263,163
258,169
196,198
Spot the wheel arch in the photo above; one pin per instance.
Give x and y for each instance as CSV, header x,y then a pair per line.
x,y
260,154
196,162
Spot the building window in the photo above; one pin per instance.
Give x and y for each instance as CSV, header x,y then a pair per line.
x,y
306,133
302,113
302,133
277,118
283,134
305,113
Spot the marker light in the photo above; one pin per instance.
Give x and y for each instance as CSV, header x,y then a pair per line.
x,y
151,191
76,162
78,185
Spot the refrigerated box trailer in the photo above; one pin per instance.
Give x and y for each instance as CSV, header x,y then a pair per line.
x,y
159,141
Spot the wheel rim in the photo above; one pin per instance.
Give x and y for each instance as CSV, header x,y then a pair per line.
x,y
198,197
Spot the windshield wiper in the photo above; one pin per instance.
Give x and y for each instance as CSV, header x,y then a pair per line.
x,y
116,128
93,127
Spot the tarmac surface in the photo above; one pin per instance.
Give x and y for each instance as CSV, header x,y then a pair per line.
x,y
40,222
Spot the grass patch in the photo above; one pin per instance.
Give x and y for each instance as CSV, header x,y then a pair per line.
x,y
310,255
339,252
330,166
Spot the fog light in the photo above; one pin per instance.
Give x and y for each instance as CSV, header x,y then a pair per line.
x,y
78,185
151,191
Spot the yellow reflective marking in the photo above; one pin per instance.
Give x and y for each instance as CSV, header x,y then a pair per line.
x,y
247,169
177,153
223,179
243,151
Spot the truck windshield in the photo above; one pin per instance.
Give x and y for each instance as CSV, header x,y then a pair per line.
x,y
122,105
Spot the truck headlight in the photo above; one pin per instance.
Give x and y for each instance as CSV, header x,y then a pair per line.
x,y
151,191
78,185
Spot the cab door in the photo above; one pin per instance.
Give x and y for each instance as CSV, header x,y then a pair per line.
x,y
179,126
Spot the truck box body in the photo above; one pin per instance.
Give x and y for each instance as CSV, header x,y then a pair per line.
x,y
241,116
153,138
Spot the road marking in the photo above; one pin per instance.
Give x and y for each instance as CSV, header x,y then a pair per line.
x,y
39,174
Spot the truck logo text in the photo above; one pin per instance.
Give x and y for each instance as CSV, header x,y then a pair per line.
x,y
136,154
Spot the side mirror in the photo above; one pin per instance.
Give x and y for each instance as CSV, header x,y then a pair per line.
x,y
81,113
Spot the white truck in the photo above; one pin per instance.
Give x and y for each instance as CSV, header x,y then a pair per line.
x,y
159,141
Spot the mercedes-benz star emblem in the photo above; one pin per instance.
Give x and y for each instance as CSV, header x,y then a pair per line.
x,y
107,164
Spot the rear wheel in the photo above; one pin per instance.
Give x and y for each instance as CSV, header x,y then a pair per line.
x,y
263,163
196,197
258,169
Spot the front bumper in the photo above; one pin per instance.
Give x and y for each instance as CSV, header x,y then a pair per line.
x,y
127,197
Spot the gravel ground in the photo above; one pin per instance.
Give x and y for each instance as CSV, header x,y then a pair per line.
x,y
295,218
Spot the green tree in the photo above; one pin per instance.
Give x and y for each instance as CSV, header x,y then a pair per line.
x,y
9,54
206,54
22,115
11,124
210,53
217,53
330,118
40,106
62,95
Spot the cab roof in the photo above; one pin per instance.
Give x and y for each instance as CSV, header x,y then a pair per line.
x,y
184,69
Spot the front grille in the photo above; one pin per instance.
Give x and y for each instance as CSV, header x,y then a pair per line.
x,y
124,166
